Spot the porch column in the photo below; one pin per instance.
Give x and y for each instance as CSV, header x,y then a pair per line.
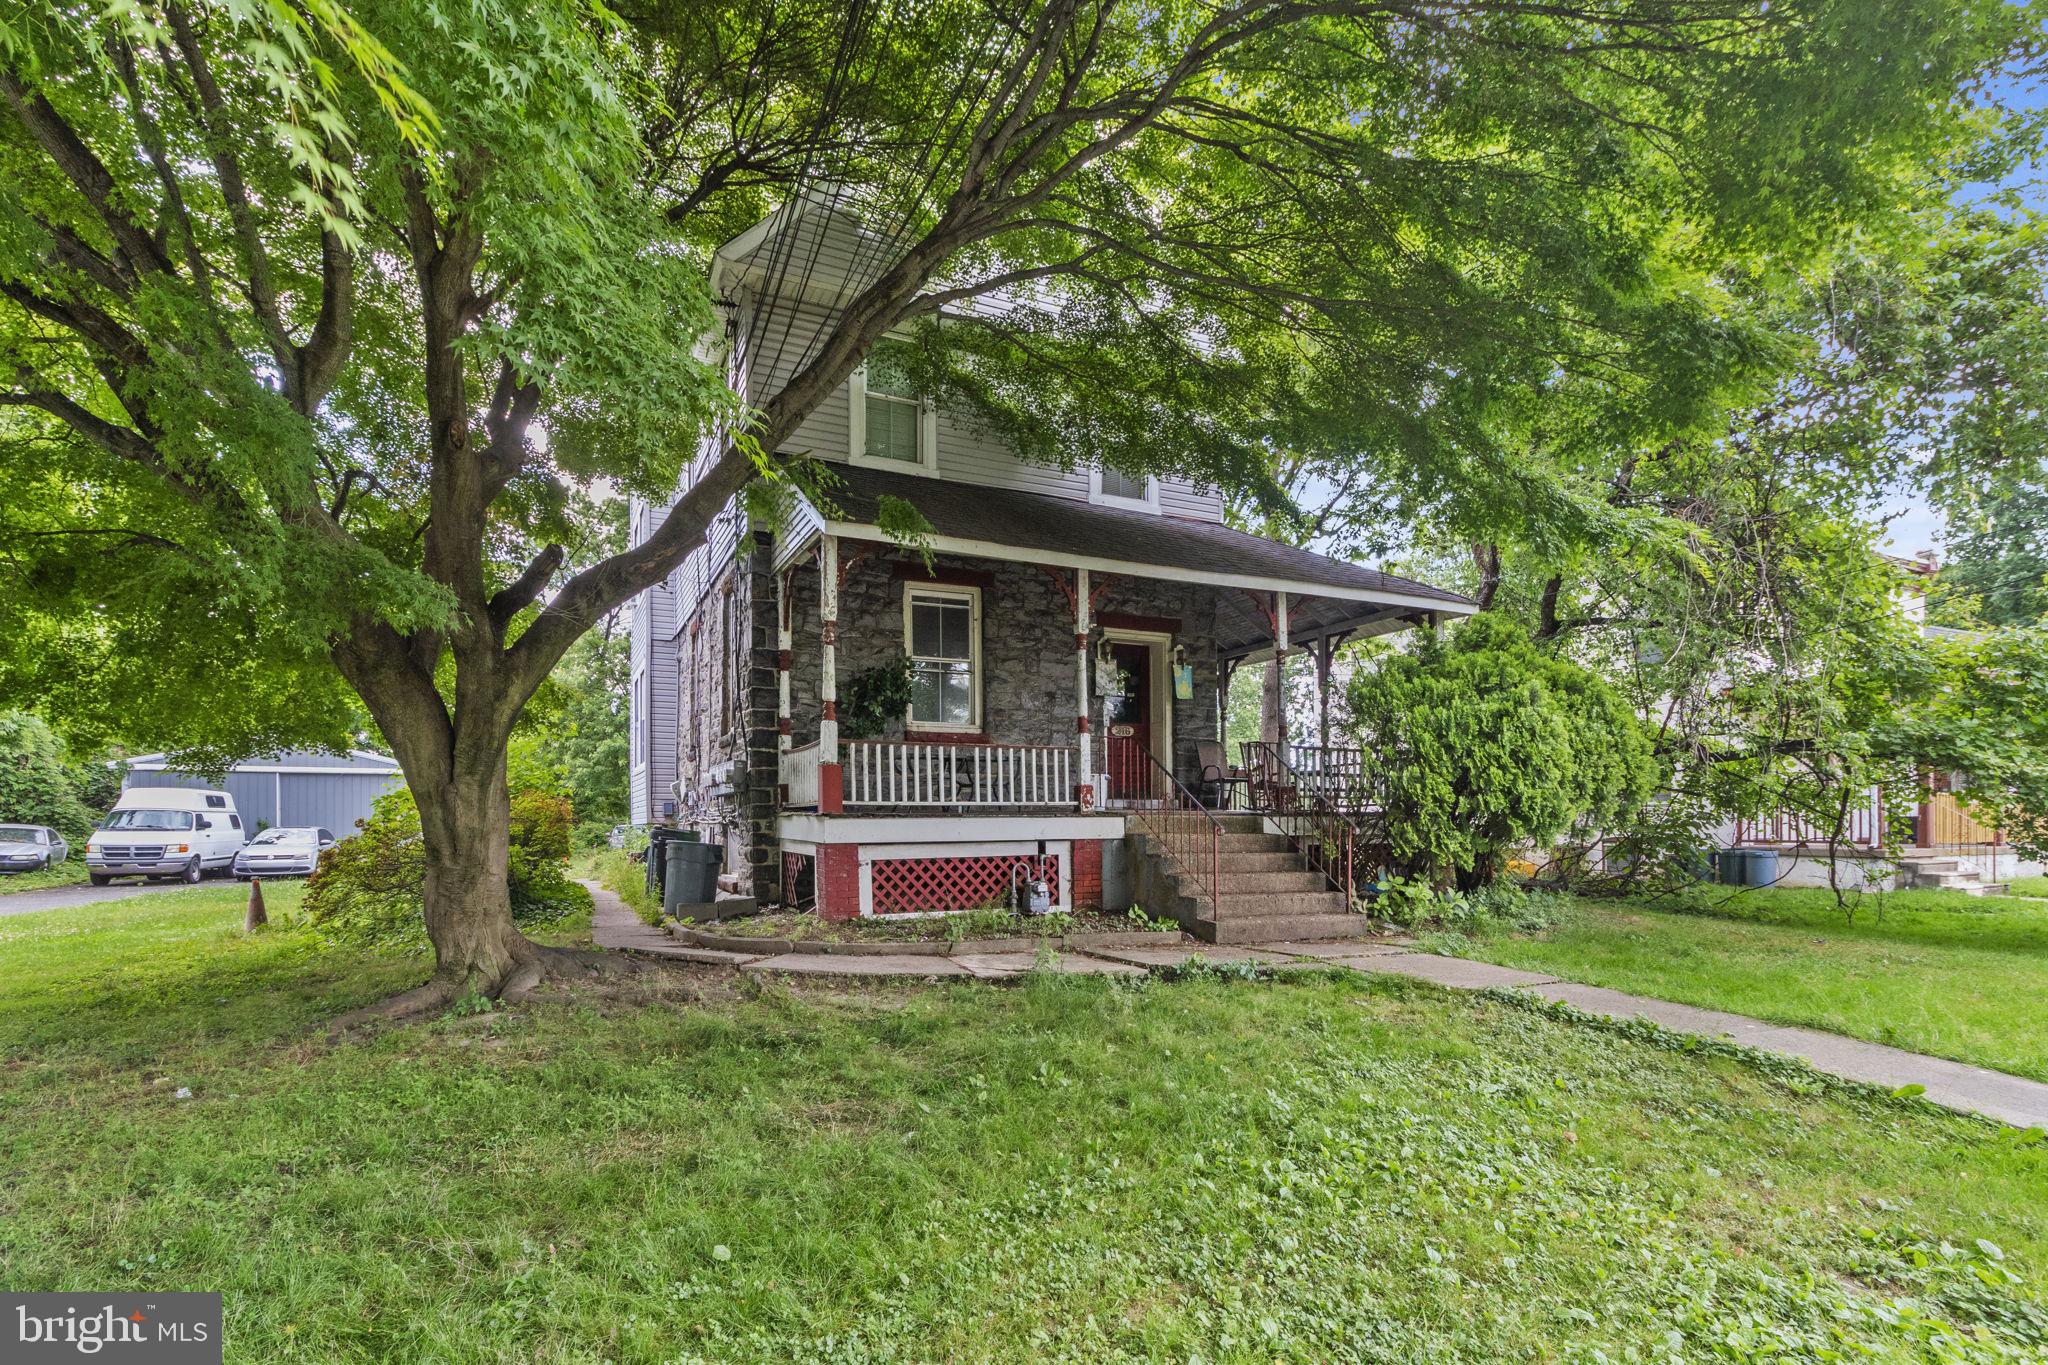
x,y
785,647
1325,651
831,789
1280,664
1086,793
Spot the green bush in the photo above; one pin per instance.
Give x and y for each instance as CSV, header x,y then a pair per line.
x,y
368,889
1485,744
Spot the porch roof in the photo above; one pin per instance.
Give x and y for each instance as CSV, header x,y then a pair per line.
x,y
1326,596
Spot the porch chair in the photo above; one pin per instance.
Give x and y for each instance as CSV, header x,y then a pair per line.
x,y
1268,782
1214,786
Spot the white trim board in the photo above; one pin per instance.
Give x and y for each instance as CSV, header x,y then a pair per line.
x,y
982,549
807,827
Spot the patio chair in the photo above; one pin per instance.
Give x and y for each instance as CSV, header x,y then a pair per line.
x,y
1218,778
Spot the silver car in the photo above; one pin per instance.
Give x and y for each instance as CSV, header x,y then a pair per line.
x,y
286,852
31,848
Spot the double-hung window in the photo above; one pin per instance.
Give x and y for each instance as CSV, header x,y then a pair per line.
x,y
890,425
942,637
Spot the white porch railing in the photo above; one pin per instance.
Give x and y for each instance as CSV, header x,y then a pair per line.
x,y
800,776
905,773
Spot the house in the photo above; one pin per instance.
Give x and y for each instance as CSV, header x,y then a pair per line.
x,y
295,789
1943,845
1067,636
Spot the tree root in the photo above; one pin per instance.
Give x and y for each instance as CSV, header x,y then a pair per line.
x,y
424,999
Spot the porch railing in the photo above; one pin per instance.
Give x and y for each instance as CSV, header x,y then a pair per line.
x,y
1277,777
1188,832
1865,826
904,773
799,776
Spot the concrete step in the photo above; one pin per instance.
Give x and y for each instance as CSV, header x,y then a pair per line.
x,y
1279,929
1291,878
1254,843
1242,824
1264,904
1286,860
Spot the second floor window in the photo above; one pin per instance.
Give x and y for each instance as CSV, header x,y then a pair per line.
x,y
892,426
942,636
1118,489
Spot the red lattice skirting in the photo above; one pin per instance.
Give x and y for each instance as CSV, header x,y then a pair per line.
x,y
799,881
905,886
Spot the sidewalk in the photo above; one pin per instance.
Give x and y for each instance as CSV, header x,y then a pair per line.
x,y
1954,1085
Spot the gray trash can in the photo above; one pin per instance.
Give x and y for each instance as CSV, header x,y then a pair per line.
x,y
692,874
1733,866
1761,867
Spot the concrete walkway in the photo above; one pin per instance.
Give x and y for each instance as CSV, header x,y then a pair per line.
x,y
1954,1085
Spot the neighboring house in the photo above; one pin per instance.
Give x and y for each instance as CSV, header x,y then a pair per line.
x,y
1067,642
296,789
1946,845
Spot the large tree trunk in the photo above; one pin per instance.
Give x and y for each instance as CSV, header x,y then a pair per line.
x,y
467,824
1271,699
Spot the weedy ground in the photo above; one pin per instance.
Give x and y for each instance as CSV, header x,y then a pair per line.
x,y
1315,1168
1933,971
70,872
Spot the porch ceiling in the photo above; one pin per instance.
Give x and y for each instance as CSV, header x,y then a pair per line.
x,y
1326,596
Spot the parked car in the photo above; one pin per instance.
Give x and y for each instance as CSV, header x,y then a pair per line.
x,y
182,832
283,852
31,848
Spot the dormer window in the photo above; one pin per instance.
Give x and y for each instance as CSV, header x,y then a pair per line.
x,y
1115,488
889,425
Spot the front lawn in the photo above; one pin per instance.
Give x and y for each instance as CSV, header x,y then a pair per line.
x,y
70,872
1318,1169
1939,971
2028,886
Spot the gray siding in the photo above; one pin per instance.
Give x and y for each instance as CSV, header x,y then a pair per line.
x,y
652,694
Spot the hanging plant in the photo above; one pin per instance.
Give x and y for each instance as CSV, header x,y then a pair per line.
x,y
870,699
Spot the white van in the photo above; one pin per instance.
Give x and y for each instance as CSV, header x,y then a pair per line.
x,y
182,832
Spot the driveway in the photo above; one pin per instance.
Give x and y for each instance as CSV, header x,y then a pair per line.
x,y
60,897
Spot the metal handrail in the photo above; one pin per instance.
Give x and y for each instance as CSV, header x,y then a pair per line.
x,y
1324,831
1188,831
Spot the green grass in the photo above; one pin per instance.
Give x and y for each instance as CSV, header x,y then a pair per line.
x,y
2029,886
1939,972
70,872
1314,1169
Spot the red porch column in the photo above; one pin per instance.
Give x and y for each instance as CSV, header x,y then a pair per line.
x,y
830,789
838,881
1086,794
785,647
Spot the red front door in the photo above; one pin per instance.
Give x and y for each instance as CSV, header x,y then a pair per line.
x,y
1130,724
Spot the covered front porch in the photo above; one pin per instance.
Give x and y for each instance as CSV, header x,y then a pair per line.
x,y
1063,661
1061,655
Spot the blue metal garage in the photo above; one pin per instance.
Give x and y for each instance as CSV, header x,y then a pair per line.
x,y
296,788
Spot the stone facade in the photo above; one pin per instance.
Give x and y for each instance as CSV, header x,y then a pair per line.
x,y
1027,642
726,737
726,764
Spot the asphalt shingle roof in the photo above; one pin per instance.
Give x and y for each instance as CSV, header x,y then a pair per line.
x,y
1035,521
